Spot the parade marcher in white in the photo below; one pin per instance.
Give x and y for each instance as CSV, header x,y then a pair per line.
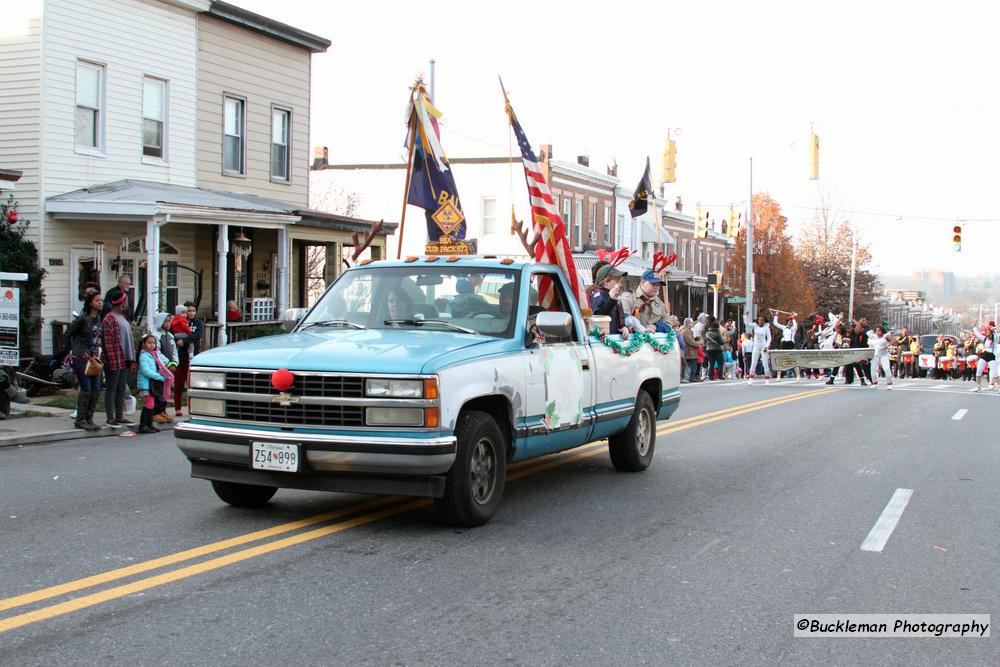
x,y
787,335
988,359
761,334
880,341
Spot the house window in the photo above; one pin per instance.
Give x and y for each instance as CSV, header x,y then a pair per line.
x,y
89,106
593,221
314,271
489,215
567,212
281,122
234,127
578,222
154,116
607,224
620,233
684,246
170,286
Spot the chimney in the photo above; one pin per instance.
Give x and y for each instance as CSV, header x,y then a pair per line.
x,y
583,159
545,152
613,170
321,156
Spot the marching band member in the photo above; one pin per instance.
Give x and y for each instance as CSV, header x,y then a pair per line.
x,y
880,341
987,359
761,334
788,330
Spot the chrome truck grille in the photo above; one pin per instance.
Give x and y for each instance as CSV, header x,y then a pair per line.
x,y
296,414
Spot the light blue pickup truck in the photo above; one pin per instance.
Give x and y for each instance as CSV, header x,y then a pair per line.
x,y
424,377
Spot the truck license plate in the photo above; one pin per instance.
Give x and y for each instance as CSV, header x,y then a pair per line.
x,y
274,456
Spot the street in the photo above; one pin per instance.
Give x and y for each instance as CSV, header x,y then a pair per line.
x,y
754,510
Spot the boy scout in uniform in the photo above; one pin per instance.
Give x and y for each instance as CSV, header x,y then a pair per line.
x,y
645,304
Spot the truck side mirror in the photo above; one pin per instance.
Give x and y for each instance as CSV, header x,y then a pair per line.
x,y
292,317
555,326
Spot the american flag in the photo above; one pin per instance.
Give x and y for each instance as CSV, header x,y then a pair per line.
x,y
553,247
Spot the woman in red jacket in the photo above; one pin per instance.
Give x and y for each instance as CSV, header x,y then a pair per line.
x,y
181,330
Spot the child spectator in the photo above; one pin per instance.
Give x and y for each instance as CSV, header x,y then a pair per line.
x,y
152,379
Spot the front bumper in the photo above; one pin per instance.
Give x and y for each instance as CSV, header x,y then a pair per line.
x,y
330,462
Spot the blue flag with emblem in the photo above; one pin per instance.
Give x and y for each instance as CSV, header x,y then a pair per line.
x,y
432,182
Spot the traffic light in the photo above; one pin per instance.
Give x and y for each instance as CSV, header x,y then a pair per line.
x,y
734,223
670,161
813,157
714,278
957,238
701,225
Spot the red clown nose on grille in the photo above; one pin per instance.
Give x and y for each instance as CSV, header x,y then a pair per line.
x,y
282,379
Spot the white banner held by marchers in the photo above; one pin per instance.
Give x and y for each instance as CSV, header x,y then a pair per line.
x,y
784,360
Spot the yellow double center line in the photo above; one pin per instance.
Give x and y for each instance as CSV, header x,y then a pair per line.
x,y
371,511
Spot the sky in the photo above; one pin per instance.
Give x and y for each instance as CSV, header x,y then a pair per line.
x,y
904,97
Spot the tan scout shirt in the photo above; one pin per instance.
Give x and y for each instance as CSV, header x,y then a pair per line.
x,y
648,310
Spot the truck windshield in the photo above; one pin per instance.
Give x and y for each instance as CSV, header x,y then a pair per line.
x,y
422,297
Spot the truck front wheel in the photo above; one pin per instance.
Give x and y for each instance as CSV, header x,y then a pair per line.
x,y
474,485
632,449
243,495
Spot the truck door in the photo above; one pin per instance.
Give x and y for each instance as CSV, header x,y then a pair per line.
x,y
559,405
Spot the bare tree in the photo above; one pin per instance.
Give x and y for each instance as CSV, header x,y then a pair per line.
x,y
824,248
332,198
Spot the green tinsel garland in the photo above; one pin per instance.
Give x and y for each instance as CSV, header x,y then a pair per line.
x,y
635,341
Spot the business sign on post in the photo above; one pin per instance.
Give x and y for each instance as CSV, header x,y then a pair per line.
x,y
10,326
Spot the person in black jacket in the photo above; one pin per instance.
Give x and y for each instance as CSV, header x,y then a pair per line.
x,y
714,343
604,300
85,343
125,287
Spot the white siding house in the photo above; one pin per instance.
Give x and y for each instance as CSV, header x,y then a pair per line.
x,y
105,90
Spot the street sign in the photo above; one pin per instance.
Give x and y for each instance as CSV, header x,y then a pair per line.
x,y
736,299
10,326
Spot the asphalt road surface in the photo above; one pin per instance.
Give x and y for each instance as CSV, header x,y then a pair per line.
x,y
755,509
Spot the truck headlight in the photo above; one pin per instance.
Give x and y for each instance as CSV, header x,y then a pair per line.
x,y
203,380
212,407
386,388
395,417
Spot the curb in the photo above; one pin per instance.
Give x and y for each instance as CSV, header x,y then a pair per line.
x,y
61,436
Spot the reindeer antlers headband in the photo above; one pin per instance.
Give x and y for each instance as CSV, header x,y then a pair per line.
x,y
661,261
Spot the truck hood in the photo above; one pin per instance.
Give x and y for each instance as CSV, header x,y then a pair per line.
x,y
348,351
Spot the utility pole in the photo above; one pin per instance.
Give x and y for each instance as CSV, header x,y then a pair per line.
x,y
749,303
854,265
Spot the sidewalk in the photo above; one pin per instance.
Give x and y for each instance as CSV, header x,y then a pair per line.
x,y
55,426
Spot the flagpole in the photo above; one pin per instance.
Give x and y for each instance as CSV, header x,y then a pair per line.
x,y
406,188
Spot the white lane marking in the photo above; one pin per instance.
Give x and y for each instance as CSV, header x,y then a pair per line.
x,y
940,386
886,523
958,415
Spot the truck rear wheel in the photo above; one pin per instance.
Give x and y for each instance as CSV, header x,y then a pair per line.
x,y
243,495
474,485
632,449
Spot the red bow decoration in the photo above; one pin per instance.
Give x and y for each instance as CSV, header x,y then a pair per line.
x,y
661,261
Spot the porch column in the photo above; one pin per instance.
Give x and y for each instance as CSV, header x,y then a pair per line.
x,y
152,271
222,248
282,287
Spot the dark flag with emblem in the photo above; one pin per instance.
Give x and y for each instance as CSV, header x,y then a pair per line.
x,y
640,198
432,182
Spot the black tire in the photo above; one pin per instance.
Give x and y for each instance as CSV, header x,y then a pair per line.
x,y
243,495
632,449
474,485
